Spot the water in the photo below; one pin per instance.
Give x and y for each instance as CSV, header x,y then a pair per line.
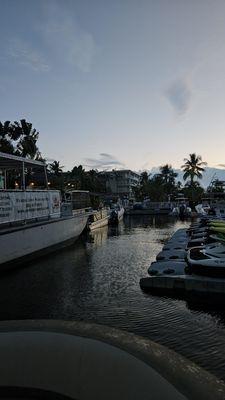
x,y
97,279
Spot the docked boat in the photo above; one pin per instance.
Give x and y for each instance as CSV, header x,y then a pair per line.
x,y
208,259
98,219
204,261
33,221
148,207
116,214
181,208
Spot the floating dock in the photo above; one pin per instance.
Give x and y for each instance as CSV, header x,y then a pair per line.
x,y
170,274
180,283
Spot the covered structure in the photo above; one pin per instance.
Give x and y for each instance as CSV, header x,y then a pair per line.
x,y
10,162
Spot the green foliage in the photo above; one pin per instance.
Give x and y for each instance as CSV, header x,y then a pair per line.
x,y
158,187
193,191
193,167
19,138
79,179
55,168
216,186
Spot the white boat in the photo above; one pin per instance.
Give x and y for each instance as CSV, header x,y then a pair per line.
x,y
181,208
33,222
98,219
116,214
148,207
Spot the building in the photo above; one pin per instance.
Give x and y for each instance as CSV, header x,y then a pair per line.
x,y
121,182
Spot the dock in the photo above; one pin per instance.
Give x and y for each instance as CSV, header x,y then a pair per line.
x,y
170,274
178,284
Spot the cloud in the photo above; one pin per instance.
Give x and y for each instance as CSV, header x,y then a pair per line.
x,y
65,38
179,95
22,53
105,161
145,166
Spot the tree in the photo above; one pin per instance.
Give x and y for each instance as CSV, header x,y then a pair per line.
x,y
6,145
28,136
56,168
144,178
193,167
193,191
216,186
168,174
19,138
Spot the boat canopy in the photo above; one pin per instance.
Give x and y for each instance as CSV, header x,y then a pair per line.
x,y
11,162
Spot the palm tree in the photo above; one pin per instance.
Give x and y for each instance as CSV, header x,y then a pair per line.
x,y
144,178
167,173
56,168
28,136
6,145
193,167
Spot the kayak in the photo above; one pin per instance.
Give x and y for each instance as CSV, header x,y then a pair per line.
x,y
219,229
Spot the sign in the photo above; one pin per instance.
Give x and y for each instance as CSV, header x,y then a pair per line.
x,y
20,206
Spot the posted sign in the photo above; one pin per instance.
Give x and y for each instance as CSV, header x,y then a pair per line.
x,y
19,206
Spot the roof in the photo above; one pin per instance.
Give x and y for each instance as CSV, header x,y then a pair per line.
x,y
115,171
77,191
9,161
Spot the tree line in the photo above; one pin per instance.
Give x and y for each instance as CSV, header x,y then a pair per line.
x,y
20,138
164,185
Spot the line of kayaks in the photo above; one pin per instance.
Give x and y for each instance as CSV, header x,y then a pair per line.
x,y
199,250
206,247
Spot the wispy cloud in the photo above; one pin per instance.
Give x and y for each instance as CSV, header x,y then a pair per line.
x,y
65,38
179,95
22,53
104,161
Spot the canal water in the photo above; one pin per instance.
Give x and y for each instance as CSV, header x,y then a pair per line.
x,y
97,279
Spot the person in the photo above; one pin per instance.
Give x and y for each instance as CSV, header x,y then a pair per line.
x,y
212,211
182,211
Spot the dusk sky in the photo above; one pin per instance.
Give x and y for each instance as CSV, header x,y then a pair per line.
x,y
122,83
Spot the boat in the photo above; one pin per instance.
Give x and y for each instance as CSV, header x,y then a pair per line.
x,y
116,214
98,219
205,262
208,259
148,207
50,359
181,208
33,221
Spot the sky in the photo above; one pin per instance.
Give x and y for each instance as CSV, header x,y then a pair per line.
x,y
116,84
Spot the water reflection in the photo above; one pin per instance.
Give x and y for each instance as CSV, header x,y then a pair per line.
x,y
98,236
97,279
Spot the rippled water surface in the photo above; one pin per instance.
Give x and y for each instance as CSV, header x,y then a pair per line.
x,y
97,279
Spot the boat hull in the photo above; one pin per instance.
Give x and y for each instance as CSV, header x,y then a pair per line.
x,y
31,240
148,212
99,224
116,216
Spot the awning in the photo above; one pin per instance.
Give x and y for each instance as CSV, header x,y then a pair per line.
x,y
9,161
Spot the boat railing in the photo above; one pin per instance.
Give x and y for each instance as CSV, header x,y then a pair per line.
x,y
158,204
81,211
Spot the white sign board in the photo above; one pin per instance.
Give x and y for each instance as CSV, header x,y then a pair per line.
x,y
19,206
